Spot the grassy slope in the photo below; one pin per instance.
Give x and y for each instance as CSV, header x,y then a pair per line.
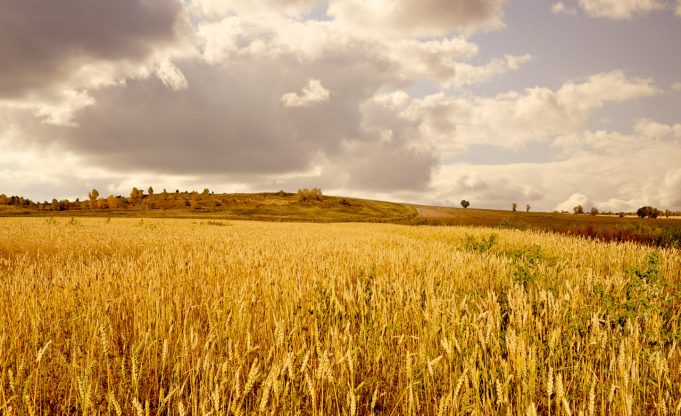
x,y
264,207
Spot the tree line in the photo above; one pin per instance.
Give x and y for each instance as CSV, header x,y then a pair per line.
x,y
643,212
149,199
138,198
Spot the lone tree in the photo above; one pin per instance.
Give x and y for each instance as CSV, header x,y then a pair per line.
x,y
578,209
648,211
515,207
465,203
528,207
93,195
594,211
150,191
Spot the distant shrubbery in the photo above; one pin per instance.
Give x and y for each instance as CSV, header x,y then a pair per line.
x,y
19,201
314,194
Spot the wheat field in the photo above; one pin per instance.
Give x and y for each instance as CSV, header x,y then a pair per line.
x,y
184,317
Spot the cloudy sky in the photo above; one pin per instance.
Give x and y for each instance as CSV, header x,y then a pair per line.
x,y
495,101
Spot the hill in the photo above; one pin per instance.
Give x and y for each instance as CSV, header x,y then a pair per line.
x,y
312,206
276,206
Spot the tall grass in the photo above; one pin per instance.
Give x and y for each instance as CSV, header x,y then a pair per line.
x,y
179,317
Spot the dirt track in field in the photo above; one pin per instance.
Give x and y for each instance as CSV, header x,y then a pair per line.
x,y
435,212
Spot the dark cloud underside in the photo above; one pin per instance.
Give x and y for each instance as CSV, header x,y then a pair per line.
x,y
43,42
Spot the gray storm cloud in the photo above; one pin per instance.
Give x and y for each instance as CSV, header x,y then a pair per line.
x,y
44,42
231,121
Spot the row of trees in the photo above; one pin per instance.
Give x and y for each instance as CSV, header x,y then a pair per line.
x,y
643,212
19,201
96,201
149,199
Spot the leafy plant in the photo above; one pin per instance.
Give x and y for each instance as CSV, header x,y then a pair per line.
x,y
482,244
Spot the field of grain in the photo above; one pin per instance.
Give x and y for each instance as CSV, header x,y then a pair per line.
x,y
180,317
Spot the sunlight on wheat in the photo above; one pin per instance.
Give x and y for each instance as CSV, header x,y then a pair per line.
x,y
138,317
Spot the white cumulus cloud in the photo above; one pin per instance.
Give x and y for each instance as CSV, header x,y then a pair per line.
x,y
620,9
653,130
313,93
513,119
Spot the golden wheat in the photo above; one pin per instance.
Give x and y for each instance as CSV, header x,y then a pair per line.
x,y
181,317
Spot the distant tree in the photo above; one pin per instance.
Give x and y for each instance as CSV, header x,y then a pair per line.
x,y
55,205
93,195
150,191
465,203
667,213
134,194
594,211
514,206
206,192
4,200
314,194
578,209
528,207
648,211
621,214
112,201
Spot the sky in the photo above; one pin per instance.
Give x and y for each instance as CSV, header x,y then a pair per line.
x,y
540,102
